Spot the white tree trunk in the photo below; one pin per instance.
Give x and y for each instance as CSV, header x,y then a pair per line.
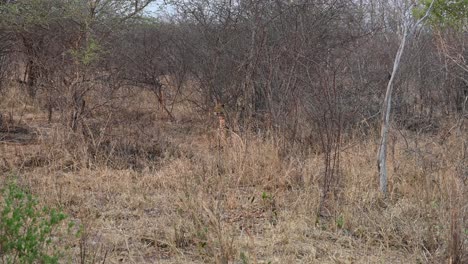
x,y
387,106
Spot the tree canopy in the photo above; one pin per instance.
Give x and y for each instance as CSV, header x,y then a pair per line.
x,y
445,13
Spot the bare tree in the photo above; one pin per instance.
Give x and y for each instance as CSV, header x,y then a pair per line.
x,y
408,31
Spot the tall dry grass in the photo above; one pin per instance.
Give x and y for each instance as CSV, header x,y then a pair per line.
x,y
150,191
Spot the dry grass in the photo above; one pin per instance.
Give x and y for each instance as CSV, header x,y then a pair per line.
x,y
150,191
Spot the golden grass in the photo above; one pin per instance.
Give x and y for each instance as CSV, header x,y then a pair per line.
x,y
244,201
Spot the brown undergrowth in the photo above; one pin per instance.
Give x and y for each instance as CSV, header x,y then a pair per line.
x,y
146,190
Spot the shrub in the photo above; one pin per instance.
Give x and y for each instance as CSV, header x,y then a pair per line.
x,y
26,230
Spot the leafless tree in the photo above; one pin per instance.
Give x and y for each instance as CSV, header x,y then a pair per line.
x,y
408,31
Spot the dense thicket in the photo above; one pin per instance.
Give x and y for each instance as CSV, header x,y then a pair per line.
x,y
307,69
273,63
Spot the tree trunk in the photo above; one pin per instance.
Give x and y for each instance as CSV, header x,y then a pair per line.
x,y
382,156
382,153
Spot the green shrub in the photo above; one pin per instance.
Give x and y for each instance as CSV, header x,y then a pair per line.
x,y
26,230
